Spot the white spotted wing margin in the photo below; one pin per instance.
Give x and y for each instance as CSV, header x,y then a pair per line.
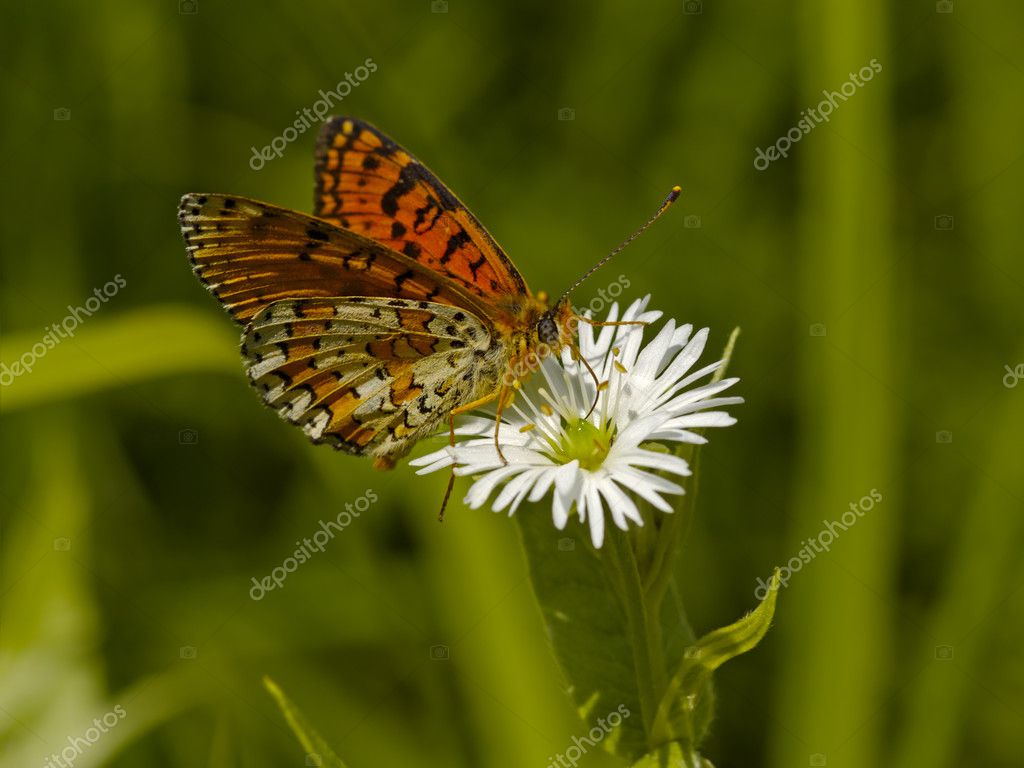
x,y
369,376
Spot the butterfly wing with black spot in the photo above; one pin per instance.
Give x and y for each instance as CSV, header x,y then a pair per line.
x,y
250,254
369,184
367,375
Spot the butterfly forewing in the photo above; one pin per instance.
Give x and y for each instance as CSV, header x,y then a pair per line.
x,y
250,254
368,375
369,184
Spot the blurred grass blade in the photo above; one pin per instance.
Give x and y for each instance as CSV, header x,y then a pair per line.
x,y
316,748
971,611
124,350
851,422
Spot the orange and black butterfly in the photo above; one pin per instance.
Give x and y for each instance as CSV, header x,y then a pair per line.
x,y
387,312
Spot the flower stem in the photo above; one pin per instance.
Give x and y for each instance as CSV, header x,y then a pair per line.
x,y
643,626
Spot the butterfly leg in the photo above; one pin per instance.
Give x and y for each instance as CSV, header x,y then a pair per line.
x,y
451,441
503,400
578,356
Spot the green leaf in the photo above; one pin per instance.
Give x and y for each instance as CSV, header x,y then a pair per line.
x,y
584,610
316,748
730,345
687,686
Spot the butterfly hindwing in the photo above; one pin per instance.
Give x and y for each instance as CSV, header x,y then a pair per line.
x,y
250,254
369,184
367,375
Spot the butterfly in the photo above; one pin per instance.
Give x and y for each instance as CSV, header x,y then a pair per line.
x,y
386,312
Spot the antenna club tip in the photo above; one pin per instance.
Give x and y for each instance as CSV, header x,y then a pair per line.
x,y
676,192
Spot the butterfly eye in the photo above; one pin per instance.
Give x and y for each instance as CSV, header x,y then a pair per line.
x,y
547,330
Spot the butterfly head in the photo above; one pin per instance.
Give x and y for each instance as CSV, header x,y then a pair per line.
x,y
542,331
547,330
556,326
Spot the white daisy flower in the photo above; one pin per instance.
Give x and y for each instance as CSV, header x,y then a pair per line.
x,y
591,461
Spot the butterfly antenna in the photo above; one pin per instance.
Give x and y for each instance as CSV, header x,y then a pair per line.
x,y
672,197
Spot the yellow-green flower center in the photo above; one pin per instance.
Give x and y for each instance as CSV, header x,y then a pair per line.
x,y
582,440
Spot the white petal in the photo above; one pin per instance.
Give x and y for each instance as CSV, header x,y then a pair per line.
x,y
595,515
648,486
678,436
700,393
649,361
544,482
703,419
618,500
568,480
691,354
432,462
515,490
712,402
698,374
481,489
638,431
655,460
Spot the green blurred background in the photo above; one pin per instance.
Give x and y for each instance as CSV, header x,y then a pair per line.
x,y
872,273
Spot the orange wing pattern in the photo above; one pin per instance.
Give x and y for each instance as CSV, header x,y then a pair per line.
x,y
367,375
369,184
249,254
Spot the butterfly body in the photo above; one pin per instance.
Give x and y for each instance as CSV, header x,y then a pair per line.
x,y
383,315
